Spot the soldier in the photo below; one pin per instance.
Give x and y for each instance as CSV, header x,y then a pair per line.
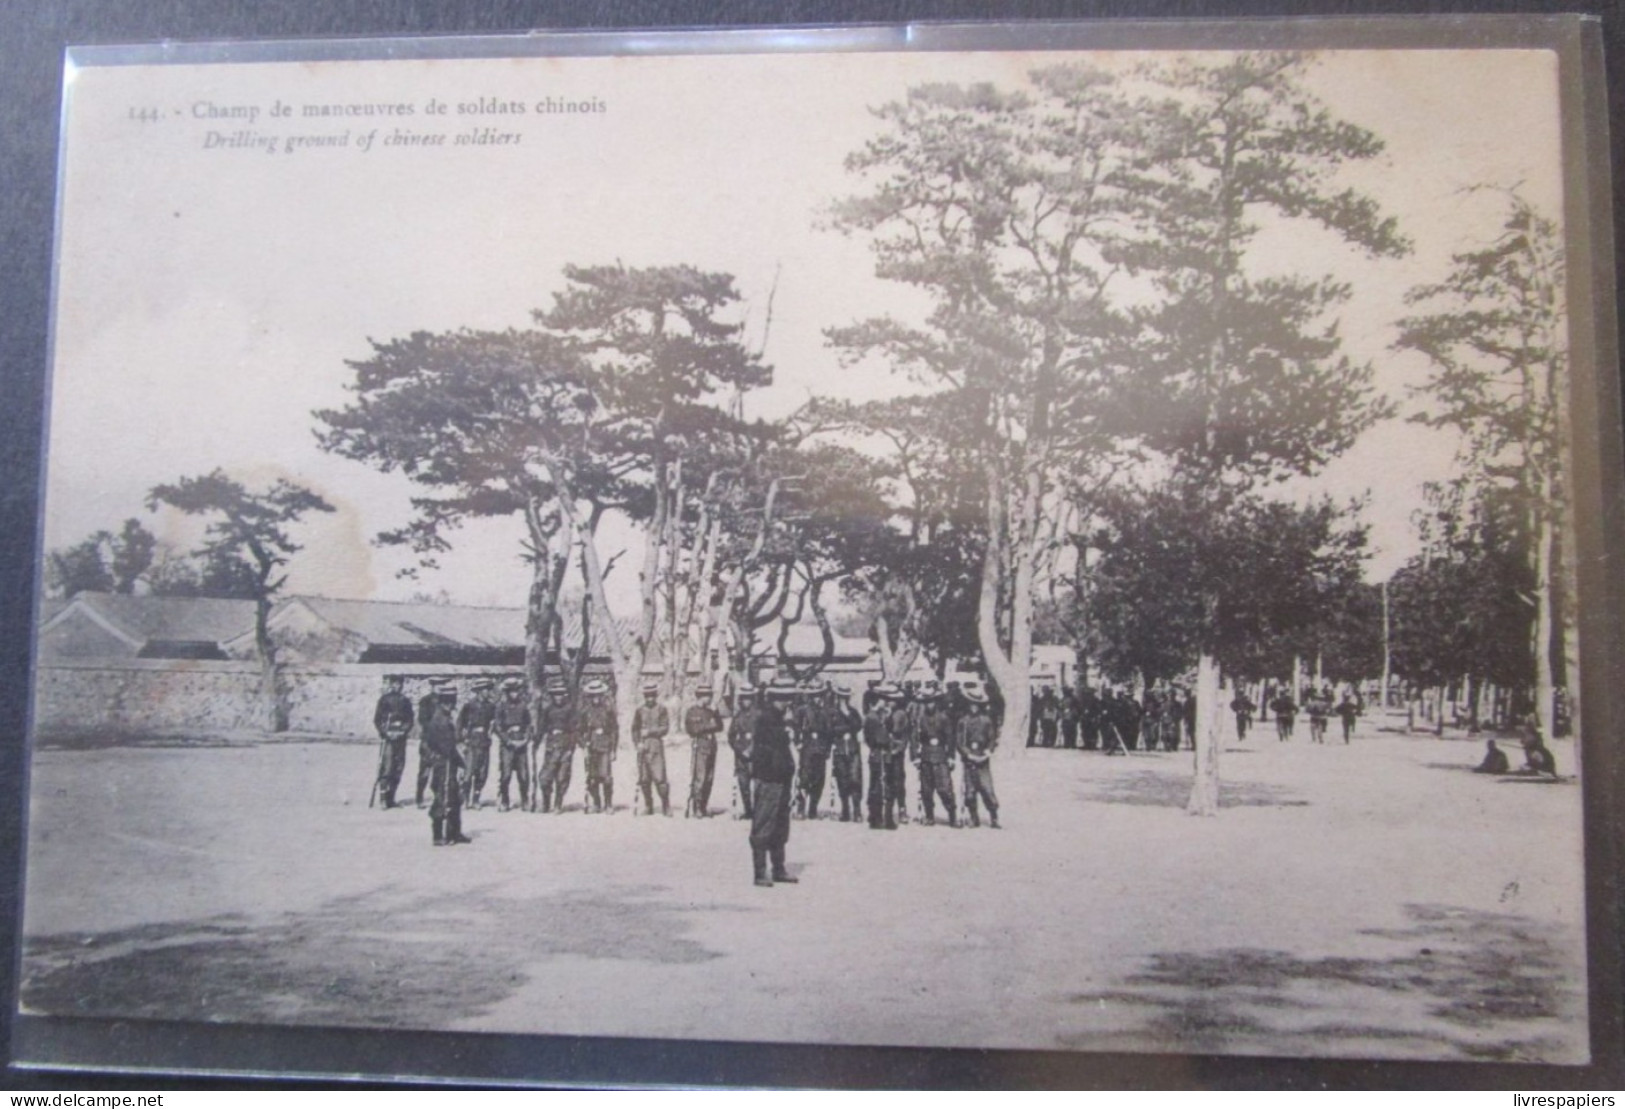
x,y
435,712
393,718
772,770
556,735
847,735
740,731
1347,710
877,737
600,731
1089,712
703,724
812,738
650,724
1495,760
1286,715
1070,718
900,725
933,754
1319,706
1243,707
512,727
976,740
474,733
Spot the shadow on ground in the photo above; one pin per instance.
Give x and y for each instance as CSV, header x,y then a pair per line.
x,y
356,961
1466,983
1149,787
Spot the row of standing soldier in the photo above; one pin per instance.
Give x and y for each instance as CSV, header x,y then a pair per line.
x,y
915,723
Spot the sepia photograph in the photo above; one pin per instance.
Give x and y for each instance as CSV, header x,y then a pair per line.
x,y
1065,550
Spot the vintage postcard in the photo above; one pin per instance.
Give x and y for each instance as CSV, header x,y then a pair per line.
x,y
1051,549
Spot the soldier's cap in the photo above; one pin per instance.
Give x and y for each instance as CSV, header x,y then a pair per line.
x,y
702,691
887,690
595,685
442,685
513,683
483,683
747,691
975,696
651,687
393,679
843,689
556,685
777,689
929,693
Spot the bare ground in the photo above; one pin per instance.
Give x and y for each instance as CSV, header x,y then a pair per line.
x,y
1371,900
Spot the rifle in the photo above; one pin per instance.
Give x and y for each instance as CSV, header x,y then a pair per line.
x,y
377,779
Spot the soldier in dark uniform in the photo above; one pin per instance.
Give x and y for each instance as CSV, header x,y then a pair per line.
x,y
600,732
393,718
900,724
877,737
1243,707
703,724
1089,718
772,771
474,733
1049,717
812,736
846,728
556,736
1348,709
1286,715
439,731
650,725
1070,718
933,754
740,731
1319,706
976,740
512,727
1187,716
1111,723
1495,760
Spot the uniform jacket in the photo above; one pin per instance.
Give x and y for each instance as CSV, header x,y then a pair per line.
x,y
393,717
977,738
512,722
439,731
599,730
934,742
650,725
702,722
474,721
554,724
743,729
770,758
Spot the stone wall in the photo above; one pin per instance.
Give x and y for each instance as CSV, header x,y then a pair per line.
x,y
154,696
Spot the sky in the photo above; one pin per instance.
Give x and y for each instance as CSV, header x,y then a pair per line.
x,y
210,291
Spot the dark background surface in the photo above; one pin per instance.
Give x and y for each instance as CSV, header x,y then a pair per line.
x,y
33,34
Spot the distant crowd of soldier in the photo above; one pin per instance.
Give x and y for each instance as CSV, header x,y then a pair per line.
x,y
1116,722
790,742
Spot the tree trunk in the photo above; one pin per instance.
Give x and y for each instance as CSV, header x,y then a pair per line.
x,y
272,702
1204,798
1297,677
1009,672
1545,686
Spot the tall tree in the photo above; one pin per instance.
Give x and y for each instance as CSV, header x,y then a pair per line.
x,y
1268,569
1495,339
1006,210
254,528
104,562
668,373
1251,382
479,420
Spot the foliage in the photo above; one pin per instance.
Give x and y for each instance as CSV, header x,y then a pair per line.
x,y
103,562
1277,572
